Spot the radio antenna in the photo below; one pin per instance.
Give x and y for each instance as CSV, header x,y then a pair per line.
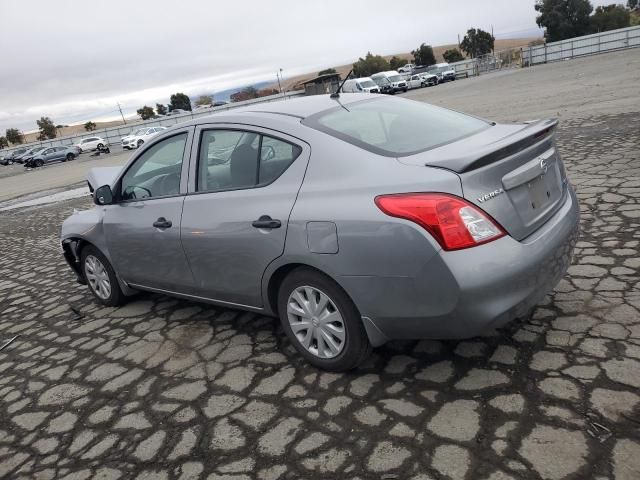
x,y
336,94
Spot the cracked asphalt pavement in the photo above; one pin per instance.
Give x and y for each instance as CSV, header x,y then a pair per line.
x,y
170,389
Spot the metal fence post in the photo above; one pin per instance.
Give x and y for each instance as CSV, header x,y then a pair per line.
x,y
545,53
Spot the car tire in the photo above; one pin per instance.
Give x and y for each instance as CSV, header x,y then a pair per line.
x,y
139,144
338,355
99,146
38,163
70,156
101,278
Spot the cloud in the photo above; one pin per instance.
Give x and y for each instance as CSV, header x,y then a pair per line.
x,y
75,61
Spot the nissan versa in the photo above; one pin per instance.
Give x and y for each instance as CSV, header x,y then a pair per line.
x,y
356,220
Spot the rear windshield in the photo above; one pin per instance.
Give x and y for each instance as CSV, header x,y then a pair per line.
x,y
395,127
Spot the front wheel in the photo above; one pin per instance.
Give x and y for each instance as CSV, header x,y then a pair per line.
x,y
100,277
321,321
100,146
140,142
70,157
38,163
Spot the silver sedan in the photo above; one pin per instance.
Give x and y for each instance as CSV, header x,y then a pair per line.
x,y
356,220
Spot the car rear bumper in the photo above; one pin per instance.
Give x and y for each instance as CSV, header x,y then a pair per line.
x,y
464,293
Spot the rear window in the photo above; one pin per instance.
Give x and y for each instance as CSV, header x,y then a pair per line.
x,y
395,127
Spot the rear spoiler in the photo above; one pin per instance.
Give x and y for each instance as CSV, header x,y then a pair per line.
x,y
531,134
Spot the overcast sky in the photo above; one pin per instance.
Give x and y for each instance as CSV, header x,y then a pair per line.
x,y
75,60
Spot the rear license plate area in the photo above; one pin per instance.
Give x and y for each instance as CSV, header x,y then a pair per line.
x,y
539,193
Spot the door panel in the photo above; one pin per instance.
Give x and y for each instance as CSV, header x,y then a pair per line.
x,y
227,254
143,229
143,254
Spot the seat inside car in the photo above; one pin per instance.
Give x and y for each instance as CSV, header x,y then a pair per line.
x,y
244,166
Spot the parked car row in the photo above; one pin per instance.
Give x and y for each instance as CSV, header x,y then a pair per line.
x,y
51,154
38,156
392,81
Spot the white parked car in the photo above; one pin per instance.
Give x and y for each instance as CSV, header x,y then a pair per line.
x,y
408,68
444,71
429,79
176,111
398,83
415,81
91,143
360,85
140,136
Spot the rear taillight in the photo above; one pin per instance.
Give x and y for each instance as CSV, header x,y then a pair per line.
x,y
454,222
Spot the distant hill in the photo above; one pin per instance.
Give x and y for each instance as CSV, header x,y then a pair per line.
x,y
226,94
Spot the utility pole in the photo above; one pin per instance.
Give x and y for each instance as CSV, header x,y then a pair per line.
x,y
493,49
458,41
281,91
120,108
279,85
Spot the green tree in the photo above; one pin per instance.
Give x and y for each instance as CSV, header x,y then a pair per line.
x,y
423,55
633,4
89,126
564,18
610,17
327,71
396,62
146,113
180,100
452,55
204,100
47,128
246,93
161,109
477,42
369,65
14,136
4,143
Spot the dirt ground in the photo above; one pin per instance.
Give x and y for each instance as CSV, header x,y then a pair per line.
x,y
168,389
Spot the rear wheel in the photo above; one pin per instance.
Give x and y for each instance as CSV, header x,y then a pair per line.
x,y
321,321
70,157
101,278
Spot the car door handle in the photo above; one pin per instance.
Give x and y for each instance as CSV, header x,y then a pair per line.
x,y
162,223
265,221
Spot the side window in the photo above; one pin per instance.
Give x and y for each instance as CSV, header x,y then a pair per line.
x,y
275,157
233,159
157,171
228,160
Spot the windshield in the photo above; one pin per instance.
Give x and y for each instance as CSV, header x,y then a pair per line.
x,y
395,78
381,81
394,126
140,131
367,84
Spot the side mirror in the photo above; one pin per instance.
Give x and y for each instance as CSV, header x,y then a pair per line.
x,y
103,195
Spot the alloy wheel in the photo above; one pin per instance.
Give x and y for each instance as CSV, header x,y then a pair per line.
x,y
316,322
97,277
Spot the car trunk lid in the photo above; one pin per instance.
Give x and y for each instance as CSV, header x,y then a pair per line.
x,y
512,172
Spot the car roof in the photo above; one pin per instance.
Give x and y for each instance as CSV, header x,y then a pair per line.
x,y
302,107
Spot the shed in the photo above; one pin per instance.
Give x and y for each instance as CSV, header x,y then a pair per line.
x,y
322,84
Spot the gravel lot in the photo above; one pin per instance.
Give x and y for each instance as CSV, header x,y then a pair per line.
x,y
168,389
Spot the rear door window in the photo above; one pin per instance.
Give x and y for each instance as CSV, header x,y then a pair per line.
x,y
236,159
